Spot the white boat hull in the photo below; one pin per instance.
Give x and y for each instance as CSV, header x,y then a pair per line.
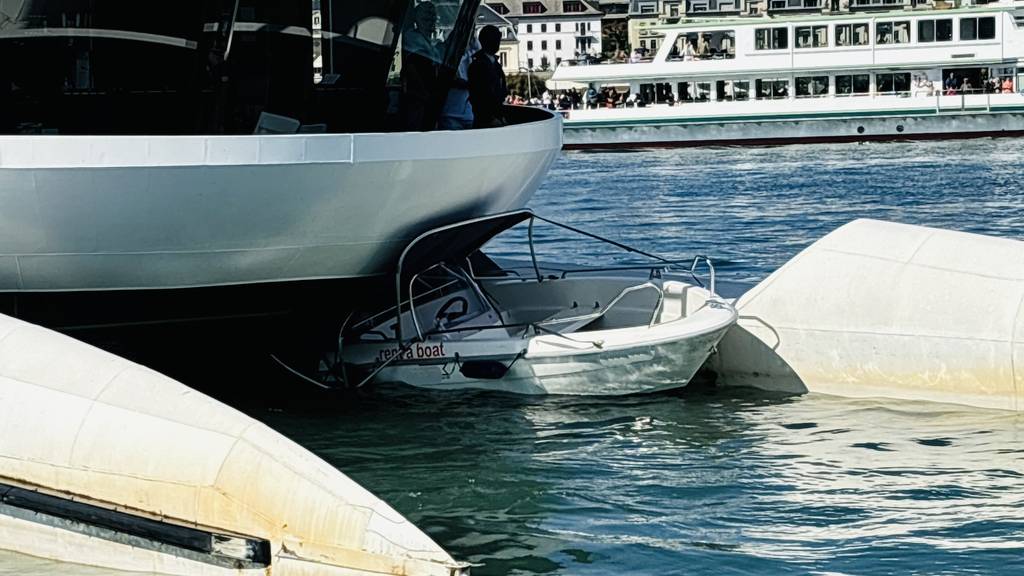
x,y
785,122
631,370
158,212
624,357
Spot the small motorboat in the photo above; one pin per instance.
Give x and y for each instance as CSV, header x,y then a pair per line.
x,y
461,320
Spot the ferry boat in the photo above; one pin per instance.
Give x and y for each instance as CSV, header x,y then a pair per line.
x,y
168,148
869,72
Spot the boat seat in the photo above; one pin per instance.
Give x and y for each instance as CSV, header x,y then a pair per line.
x,y
571,319
576,318
275,124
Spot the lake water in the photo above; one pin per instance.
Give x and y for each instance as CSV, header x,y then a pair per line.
x,y
707,480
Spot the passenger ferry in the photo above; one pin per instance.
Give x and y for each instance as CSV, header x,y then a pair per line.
x,y
921,72
162,152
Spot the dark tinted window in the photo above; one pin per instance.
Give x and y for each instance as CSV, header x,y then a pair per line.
x,y
986,28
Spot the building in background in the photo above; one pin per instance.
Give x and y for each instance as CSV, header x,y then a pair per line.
x,y
614,27
552,31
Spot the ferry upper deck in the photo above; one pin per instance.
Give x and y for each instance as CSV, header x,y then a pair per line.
x,y
971,36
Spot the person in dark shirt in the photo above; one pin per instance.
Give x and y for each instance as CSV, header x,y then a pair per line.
x,y
487,88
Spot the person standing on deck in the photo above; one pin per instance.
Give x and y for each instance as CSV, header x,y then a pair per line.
x,y
487,88
420,58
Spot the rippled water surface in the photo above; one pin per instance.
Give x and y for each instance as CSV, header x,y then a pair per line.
x,y
709,481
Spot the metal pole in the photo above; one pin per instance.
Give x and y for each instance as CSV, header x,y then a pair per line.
x,y
533,252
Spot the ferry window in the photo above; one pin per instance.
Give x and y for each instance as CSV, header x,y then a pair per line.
x,y
811,36
543,27
771,38
558,27
529,44
684,92
811,86
892,32
558,44
529,28
771,89
978,28
741,90
926,31
702,92
853,34
898,83
543,44
694,91
851,84
935,30
714,45
732,90
647,93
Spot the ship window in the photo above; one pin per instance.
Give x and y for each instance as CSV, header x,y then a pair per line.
x,y
558,44
898,83
771,38
533,8
852,84
853,34
944,30
978,28
811,86
704,45
729,90
771,89
935,30
499,7
892,32
811,36
529,45
543,44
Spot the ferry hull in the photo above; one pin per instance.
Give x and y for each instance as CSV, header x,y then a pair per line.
x,y
92,213
797,131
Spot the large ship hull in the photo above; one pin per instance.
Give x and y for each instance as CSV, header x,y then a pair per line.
x,y
99,213
895,119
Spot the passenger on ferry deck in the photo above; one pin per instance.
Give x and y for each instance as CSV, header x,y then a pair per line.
x,y
457,113
1007,85
966,87
688,53
420,57
950,85
487,88
920,85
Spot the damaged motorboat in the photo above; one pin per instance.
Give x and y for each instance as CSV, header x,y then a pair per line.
x,y
460,320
